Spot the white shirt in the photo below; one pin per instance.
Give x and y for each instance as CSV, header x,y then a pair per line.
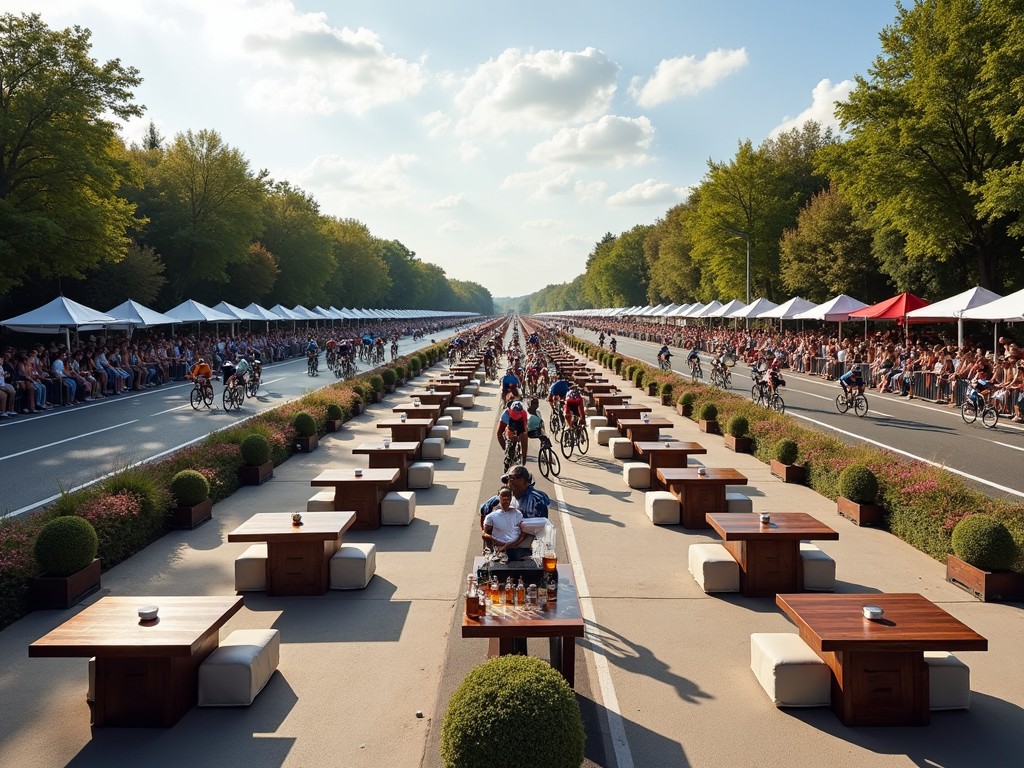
x,y
504,525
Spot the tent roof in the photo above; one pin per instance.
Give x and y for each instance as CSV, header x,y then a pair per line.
x,y
838,308
236,312
954,306
264,314
132,313
1007,308
895,308
709,309
285,313
304,314
754,309
726,309
789,309
190,311
57,315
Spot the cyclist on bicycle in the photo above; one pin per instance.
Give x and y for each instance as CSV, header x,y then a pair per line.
x,y
775,379
257,363
852,378
574,407
241,374
665,355
312,350
331,352
509,384
612,344
513,425
201,374
227,370
557,392
600,339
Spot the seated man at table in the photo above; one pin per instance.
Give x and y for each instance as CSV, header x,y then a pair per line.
x,y
501,532
532,503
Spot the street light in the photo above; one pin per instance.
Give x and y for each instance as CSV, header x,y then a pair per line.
x,y
745,236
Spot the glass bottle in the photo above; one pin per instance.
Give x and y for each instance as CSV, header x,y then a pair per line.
x,y
472,600
509,592
542,594
495,591
520,592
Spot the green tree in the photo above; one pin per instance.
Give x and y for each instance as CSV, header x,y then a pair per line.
x,y
432,290
674,277
293,230
253,278
61,162
139,276
935,138
400,261
360,277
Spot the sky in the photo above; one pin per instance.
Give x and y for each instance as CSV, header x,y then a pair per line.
x,y
499,141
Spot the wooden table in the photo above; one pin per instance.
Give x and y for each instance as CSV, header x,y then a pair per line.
x,y
147,673
561,622
615,412
298,556
879,676
769,554
431,412
607,400
408,431
362,495
396,455
600,388
433,397
699,495
673,453
641,430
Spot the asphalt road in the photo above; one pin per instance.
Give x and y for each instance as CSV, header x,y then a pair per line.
x,y
65,448
989,459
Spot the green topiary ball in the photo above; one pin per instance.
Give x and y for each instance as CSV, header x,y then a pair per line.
x,y
858,484
666,390
190,488
738,426
687,398
255,450
785,451
66,545
984,542
513,712
401,372
708,412
334,412
389,377
377,383
304,424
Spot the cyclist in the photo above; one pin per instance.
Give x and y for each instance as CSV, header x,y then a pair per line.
x,y
242,371
509,384
394,349
612,344
775,379
574,407
852,378
201,374
513,425
331,353
600,339
665,355
557,393
313,352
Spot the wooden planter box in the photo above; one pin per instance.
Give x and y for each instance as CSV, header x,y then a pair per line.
x,y
306,444
61,592
987,586
652,390
710,427
861,514
737,444
666,399
684,410
333,425
190,517
788,473
256,475
357,408
389,388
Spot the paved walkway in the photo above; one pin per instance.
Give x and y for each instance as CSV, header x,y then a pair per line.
x,y
663,679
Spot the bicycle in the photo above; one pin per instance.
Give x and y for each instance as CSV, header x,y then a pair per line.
x,y
513,452
312,364
556,422
847,400
664,363
975,404
233,397
696,372
721,377
575,437
547,459
201,395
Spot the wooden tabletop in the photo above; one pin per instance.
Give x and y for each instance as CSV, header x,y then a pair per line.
x,y
388,423
624,424
726,475
378,447
278,526
415,411
661,446
111,627
561,617
617,409
834,622
794,526
345,475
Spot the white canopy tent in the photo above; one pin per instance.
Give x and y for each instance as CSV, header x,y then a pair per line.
x,y
130,314
954,308
59,316
837,309
727,309
708,309
754,309
1007,309
236,313
263,313
190,311
789,309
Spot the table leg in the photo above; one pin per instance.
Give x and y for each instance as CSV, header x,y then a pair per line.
x,y
299,567
767,567
879,688
563,657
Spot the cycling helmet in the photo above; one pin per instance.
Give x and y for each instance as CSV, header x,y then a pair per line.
x,y
201,360
517,406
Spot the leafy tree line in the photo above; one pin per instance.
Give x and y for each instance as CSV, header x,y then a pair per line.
x,y
923,193
187,217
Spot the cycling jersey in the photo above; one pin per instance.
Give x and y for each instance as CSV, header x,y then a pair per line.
x,y
574,405
560,388
853,378
201,369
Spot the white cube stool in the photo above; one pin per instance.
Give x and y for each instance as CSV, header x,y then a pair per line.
x,y
713,568
454,413
603,434
236,672
738,502
444,433
398,508
421,475
474,382
251,569
433,448
593,422
470,389
445,421
620,447
819,569
322,501
353,565
789,671
590,410
662,507
464,400
949,681
637,474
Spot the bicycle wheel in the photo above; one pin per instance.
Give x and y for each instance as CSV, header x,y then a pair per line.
x,y
693,373
969,412
196,398
777,404
727,380
252,387
548,462
842,404
860,406
568,442
755,394
510,453
208,396
228,399
555,423
989,417
582,441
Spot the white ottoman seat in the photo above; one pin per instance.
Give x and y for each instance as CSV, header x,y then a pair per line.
x,y
738,502
789,671
322,501
620,447
819,569
251,569
590,411
421,474
603,434
637,474
949,681
464,400
593,422
662,507
398,508
713,568
471,389
433,448
236,672
444,433
445,421
454,413
353,565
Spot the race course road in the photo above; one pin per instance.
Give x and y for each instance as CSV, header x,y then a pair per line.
x,y
989,458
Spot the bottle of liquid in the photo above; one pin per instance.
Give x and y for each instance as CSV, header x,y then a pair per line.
x,y
551,581
520,592
472,600
510,596
542,594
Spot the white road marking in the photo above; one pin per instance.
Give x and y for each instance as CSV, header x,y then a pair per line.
x,y
1007,445
67,440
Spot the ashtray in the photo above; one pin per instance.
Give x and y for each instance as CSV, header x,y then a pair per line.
x,y
148,612
872,612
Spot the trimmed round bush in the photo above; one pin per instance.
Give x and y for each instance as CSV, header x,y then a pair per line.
x,y
737,426
513,712
638,378
785,451
687,398
401,372
708,412
858,484
255,450
334,412
304,424
377,383
389,377
190,488
360,390
65,545
984,542
666,390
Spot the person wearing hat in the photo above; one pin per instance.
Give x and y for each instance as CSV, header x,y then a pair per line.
x,y
513,425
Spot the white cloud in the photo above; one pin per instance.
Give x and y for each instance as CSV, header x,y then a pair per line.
x,y
436,123
571,241
822,109
451,226
588,192
546,182
611,140
541,224
686,76
649,192
451,201
384,182
535,91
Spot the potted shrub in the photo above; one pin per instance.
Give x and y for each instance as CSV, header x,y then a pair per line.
x,y
402,373
510,695
707,418
639,378
389,377
360,398
627,374
191,492
666,393
684,405
736,437
334,417
983,553
377,387
258,467
305,431
65,551
858,491
783,464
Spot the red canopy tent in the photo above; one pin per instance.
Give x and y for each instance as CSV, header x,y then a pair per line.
x,y
895,308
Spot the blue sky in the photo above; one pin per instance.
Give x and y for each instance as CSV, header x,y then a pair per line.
x,y
497,140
